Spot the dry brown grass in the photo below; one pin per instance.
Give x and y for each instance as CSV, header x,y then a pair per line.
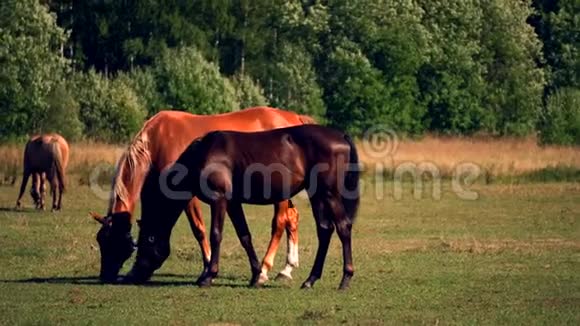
x,y
84,156
497,157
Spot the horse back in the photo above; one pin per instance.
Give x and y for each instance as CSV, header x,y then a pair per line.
x,y
43,151
276,163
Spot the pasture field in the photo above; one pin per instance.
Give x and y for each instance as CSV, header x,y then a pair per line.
x,y
510,257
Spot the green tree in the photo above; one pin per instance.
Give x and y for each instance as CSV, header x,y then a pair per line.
x,y
187,81
143,82
31,65
292,83
560,122
109,109
248,93
62,115
451,82
557,24
511,53
356,95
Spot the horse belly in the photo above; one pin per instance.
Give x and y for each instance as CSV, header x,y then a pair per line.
x,y
267,185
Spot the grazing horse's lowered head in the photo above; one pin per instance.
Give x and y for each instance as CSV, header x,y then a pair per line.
x,y
116,244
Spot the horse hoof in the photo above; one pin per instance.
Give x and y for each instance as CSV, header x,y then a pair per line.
x,y
283,277
262,279
306,285
204,283
256,284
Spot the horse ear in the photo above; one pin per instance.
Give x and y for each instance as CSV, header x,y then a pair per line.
x,y
99,218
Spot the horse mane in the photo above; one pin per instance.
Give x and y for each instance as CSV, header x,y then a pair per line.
x,y
135,158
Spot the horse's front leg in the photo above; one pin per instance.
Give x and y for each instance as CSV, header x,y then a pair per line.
x,y
239,220
218,212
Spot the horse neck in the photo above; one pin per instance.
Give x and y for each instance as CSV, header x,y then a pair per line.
x,y
132,170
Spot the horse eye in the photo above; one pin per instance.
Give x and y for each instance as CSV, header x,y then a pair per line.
x,y
151,239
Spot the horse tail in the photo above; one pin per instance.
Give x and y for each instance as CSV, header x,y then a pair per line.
x,y
307,120
57,164
351,194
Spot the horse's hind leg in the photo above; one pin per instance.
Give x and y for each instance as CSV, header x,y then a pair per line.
x,y
344,231
324,229
35,191
22,187
285,218
42,189
197,225
60,191
53,188
239,220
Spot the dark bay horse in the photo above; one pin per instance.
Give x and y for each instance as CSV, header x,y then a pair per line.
x,y
45,156
157,145
226,169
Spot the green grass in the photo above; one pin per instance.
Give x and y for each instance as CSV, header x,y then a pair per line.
x,y
510,257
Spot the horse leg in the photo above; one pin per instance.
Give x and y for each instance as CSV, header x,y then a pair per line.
x,y
22,187
278,223
35,190
42,189
236,214
324,229
292,244
197,225
344,230
218,212
60,191
53,187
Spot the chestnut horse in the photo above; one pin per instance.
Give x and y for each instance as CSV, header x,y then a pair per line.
x,y
159,143
45,155
226,169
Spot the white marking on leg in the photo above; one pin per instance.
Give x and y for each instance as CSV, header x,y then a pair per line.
x,y
263,276
292,254
291,259
287,271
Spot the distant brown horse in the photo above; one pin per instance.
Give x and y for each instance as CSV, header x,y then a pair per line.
x,y
45,156
226,169
158,145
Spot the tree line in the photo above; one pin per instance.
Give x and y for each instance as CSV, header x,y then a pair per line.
x,y
96,69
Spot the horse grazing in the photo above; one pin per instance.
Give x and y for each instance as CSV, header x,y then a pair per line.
x,y
158,145
45,156
226,169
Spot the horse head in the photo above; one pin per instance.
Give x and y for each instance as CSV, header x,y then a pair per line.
x,y
115,242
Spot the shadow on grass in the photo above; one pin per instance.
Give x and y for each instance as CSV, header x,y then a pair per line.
x,y
13,209
159,280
